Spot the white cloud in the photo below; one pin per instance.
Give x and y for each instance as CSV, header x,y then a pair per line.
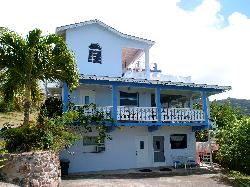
x,y
187,43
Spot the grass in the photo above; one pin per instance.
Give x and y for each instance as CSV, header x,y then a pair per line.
x,y
14,118
241,179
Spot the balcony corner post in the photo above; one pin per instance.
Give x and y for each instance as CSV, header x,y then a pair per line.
x,y
65,97
205,107
158,103
114,102
147,68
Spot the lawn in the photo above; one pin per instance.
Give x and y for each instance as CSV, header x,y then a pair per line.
x,y
241,179
15,118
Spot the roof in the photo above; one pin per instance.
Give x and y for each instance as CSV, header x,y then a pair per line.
x,y
95,21
156,82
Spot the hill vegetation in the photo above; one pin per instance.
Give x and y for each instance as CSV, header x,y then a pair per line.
x,y
242,104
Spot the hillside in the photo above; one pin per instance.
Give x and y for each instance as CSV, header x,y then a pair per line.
x,y
243,104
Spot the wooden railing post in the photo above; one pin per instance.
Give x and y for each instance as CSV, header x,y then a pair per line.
x,y
158,103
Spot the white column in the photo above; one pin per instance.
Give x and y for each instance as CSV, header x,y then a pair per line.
x,y
147,68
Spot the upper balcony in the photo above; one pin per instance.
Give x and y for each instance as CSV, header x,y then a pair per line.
x,y
148,114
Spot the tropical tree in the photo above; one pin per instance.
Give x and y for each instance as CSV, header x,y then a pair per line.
x,y
24,62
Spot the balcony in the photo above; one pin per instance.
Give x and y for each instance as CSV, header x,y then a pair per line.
x,y
148,114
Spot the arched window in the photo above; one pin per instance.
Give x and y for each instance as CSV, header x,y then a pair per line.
x,y
95,53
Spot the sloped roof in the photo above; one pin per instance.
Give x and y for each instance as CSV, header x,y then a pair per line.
x,y
155,82
96,21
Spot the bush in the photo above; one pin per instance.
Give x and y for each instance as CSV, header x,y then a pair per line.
x,y
51,108
234,141
34,137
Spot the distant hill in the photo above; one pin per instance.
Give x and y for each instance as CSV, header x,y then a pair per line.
x,y
243,104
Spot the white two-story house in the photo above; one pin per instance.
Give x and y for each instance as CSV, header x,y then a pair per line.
x,y
154,111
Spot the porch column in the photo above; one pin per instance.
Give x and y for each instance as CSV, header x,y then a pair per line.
x,y
114,102
158,103
205,107
147,68
65,96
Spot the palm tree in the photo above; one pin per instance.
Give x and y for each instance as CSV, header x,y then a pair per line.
x,y
24,62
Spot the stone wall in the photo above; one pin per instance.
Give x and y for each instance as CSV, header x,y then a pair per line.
x,y
36,169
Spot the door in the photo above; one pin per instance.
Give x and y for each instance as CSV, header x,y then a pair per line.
x,y
158,147
141,153
87,97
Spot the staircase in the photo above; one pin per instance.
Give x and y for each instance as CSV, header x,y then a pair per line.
x,y
206,159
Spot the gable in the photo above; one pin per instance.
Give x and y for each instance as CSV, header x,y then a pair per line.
x,y
63,29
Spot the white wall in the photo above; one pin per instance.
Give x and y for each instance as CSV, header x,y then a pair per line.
x,y
120,151
102,96
78,40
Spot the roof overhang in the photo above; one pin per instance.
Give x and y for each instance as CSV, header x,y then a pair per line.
x,y
62,30
120,81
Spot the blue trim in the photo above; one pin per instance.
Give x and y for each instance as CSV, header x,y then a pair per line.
x,y
158,103
114,102
65,97
197,128
205,107
153,128
145,85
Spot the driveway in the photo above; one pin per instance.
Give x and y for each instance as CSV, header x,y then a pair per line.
x,y
181,178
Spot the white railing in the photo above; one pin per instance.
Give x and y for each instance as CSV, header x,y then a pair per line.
x,y
136,113
181,114
145,114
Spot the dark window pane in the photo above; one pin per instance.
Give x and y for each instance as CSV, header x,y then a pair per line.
x,y
178,141
86,100
95,53
128,99
141,144
158,144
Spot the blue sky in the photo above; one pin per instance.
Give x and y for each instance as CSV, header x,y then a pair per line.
x,y
227,7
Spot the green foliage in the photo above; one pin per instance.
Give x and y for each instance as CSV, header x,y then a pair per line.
x,y
51,108
2,152
224,115
240,178
99,121
243,104
234,141
33,137
201,136
15,105
26,61
54,132
232,134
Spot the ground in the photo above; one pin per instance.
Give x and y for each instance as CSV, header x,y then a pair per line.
x,y
178,178
14,118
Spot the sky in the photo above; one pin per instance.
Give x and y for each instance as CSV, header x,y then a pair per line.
x,y
207,39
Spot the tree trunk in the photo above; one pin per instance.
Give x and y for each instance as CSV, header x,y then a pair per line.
x,y
27,102
26,112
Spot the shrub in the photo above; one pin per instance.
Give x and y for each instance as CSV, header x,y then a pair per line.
x,y
34,137
234,141
51,108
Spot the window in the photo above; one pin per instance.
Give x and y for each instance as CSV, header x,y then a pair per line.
x,y
178,141
91,145
158,144
141,144
86,100
89,140
128,99
95,53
